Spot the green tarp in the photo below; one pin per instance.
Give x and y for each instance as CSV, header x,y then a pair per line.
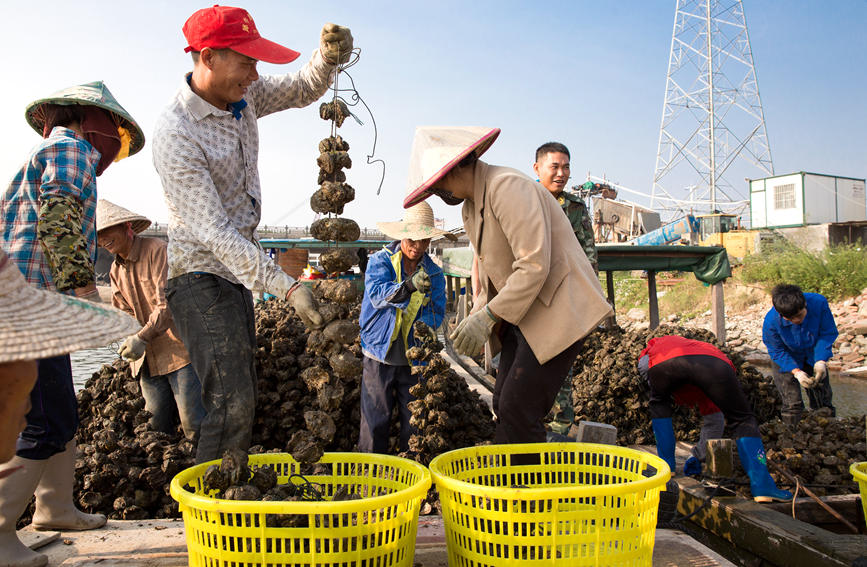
x,y
710,264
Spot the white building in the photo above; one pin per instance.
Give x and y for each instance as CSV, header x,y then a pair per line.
x,y
802,198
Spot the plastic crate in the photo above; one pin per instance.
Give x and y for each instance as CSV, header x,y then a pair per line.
x,y
859,472
378,529
583,504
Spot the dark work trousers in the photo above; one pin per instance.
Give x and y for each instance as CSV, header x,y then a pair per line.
x,y
790,391
53,416
713,376
381,386
215,320
525,390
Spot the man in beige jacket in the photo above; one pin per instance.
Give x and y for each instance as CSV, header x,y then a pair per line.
x,y
169,384
537,289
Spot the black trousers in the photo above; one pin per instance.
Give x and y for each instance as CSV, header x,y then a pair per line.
x,y
790,391
713,376
214,318
525,390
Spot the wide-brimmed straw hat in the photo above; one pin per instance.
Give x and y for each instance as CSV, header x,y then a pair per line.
x,y
437,149
108,215
36,323
92,94
417,224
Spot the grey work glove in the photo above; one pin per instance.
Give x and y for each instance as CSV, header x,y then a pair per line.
x,y
301,299
88,293
421,281
472,333
820,371
133,348
335,43
803,379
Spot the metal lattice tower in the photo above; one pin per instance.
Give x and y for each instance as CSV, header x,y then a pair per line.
x,y
713,127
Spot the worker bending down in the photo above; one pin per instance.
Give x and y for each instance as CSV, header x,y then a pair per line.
x,y
671,362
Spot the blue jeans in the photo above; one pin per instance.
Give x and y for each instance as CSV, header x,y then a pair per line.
x,y
171,396
215,320
381,386
53,416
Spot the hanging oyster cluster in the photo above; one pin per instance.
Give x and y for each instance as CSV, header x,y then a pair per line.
x,y
334,192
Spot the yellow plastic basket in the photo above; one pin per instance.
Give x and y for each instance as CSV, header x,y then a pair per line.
x,y
583,504
378,529
859,471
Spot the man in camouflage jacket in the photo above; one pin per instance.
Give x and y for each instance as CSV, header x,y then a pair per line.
x,y
552,169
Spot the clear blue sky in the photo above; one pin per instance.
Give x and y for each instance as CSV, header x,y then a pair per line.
x,y
590,74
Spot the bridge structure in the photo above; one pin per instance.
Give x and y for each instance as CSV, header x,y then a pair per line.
x,y
160,230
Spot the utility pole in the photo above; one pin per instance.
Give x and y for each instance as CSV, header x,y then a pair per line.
x,y
713,125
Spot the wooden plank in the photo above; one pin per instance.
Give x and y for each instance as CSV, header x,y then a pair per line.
x,y
652,299
610,322
764,532
450,297
718,311
849,505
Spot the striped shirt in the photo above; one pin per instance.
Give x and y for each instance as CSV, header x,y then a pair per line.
x,y
62,165
207,160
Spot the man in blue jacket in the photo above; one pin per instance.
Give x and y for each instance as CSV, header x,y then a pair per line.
x,y
799,332
402,285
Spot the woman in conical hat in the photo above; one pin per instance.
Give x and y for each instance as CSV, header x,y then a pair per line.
x,y
48,212
538,291
402,285
36,325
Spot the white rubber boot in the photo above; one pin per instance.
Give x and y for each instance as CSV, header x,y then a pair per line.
x,y
15,493
55,508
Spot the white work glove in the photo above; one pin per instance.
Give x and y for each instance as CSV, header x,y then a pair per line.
x,y
421,281
820,371
472,333
302,300
133,348
803,379
335,44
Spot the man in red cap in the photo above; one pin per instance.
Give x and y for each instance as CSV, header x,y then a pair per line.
x,y
206,145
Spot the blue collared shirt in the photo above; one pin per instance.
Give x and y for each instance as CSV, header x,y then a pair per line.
x,y
793,346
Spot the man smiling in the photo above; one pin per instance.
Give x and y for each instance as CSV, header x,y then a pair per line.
x,y
205,151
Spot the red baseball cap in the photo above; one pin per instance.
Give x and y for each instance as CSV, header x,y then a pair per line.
x,y
225,27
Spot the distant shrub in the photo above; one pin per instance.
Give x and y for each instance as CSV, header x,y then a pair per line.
x,y
837,272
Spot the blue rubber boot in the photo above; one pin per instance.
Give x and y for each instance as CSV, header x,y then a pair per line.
x,y
664,433
692,467
762,486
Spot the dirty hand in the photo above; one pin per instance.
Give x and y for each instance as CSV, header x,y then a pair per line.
x,y
133,348
820,371
472,333
421,281
302,300
335,43
802,378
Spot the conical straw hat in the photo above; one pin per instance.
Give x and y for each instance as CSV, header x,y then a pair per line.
x,y
93,94
417,224
108,215
437,149
36,323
